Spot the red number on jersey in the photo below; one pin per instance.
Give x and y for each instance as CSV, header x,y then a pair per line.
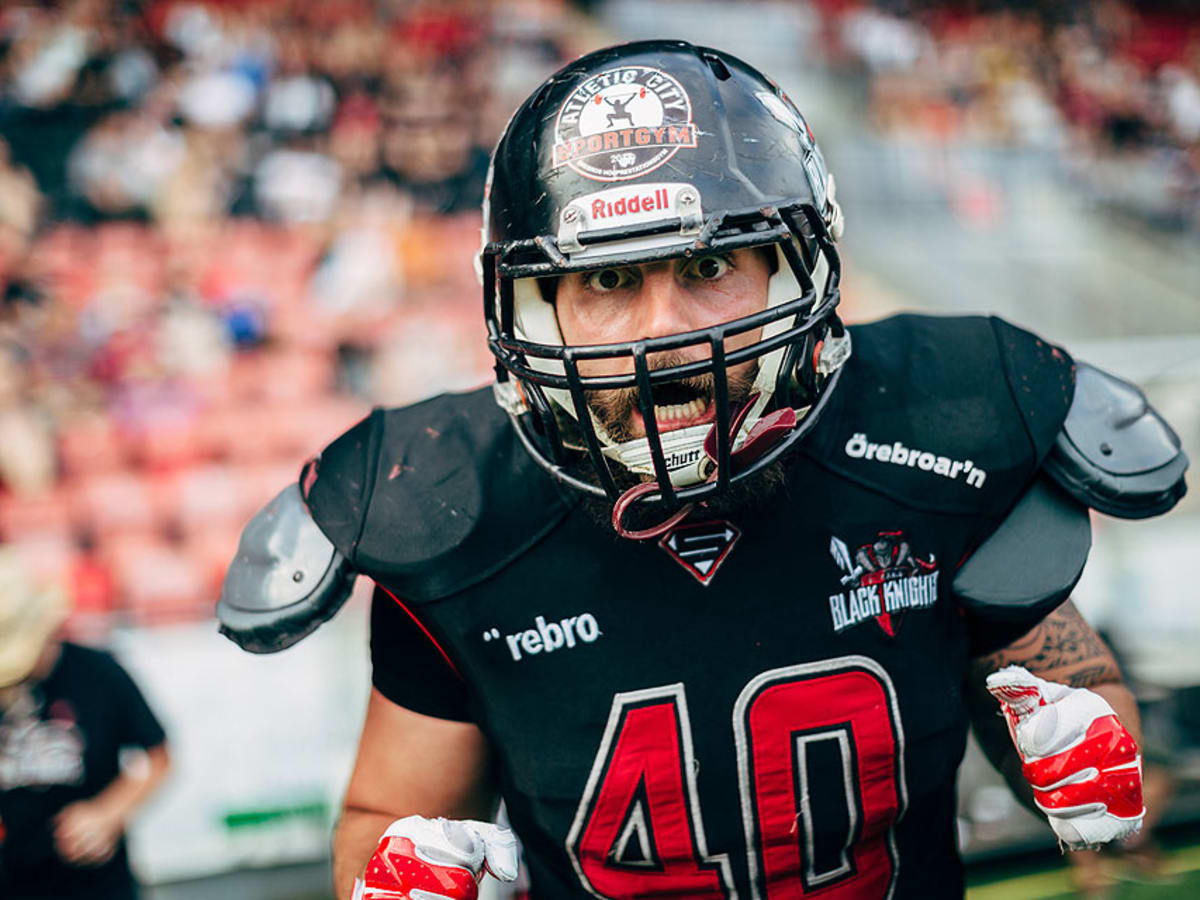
x,y
637,832
832,830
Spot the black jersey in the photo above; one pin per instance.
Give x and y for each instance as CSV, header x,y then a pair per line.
x,y
766,706
59,744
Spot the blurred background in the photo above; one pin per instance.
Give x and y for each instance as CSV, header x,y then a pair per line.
x,y
228,228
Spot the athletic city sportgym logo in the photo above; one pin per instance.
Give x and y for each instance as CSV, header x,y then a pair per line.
x,y
546,637
622,123
883,579
700,547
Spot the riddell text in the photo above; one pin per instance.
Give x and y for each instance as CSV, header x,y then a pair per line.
x,y
603,209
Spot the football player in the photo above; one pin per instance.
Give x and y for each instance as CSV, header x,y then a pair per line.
x,y
708,586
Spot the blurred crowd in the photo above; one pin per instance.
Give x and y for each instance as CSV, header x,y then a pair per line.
x,y
1110,89
226,229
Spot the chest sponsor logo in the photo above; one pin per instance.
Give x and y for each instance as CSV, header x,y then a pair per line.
x,y
700,547
860,446
546,637
882,580
622,123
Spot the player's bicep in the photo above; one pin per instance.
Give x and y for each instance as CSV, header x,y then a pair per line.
x,y
413,764
1062,647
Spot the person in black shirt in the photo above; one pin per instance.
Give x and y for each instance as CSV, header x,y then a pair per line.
x,y
709,586
65,713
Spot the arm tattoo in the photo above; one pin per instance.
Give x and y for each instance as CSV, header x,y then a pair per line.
x,y
1062,648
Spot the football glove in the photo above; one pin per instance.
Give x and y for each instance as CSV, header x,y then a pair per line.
x,y
1083,765
437,859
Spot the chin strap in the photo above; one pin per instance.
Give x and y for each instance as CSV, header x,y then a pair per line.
x,y
766,433
631,496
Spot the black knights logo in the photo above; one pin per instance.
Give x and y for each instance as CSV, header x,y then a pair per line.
x,y
882,580
700,547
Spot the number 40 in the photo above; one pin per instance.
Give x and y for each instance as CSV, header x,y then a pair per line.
x,y
638,830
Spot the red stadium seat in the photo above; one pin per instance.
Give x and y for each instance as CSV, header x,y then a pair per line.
x,y
119,502
89,445
49,513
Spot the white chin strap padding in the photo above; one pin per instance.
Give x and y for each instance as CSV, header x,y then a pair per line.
x,y
683,452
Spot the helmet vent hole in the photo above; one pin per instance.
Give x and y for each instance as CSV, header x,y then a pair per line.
x,y
717,66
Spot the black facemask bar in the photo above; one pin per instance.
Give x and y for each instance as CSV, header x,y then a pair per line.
x,y
810,316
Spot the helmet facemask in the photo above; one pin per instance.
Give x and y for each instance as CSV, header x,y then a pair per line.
x,y
795,358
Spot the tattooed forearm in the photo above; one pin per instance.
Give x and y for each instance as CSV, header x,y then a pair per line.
x,y
1063,648
1092,675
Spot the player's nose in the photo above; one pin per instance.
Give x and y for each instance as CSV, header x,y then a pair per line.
x,y
666,307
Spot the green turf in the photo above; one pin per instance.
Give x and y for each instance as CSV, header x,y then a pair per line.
x,y
1181,879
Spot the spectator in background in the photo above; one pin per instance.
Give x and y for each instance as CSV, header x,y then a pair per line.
x,y
20,200
436,160
66,712
27,460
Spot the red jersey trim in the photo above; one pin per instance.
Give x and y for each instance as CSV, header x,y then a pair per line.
x,y
424,630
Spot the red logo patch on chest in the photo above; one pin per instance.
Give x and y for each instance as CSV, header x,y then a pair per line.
x,y
700,547
882,580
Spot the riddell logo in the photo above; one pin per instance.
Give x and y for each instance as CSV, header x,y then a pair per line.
x,y
546,637
630,204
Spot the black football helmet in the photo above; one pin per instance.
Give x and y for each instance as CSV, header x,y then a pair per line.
x,y
643,152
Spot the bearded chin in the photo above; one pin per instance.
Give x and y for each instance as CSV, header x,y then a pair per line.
x,y
614,410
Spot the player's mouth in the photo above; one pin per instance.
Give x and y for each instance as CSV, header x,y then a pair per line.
x,y
680,406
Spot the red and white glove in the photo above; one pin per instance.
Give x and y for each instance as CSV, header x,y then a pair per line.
x,y
437,859
1084,767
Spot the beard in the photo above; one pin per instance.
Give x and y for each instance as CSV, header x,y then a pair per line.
x,y
614,411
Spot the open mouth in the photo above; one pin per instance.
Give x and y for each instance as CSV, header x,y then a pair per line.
x,y
676,406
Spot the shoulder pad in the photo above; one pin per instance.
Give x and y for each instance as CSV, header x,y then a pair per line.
x,y
432,497
1030,564
286,579
1115,453
948,414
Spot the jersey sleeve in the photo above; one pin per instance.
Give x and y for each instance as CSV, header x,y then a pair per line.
x,y
984,637
139,727
408,667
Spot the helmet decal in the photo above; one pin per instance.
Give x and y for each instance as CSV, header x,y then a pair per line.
x,y
622,123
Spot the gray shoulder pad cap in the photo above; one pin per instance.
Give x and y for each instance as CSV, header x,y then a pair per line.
x,y
1030,564
1115,453
286,580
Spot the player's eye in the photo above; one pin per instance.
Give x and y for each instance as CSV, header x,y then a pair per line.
x,y
707,268
605,280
